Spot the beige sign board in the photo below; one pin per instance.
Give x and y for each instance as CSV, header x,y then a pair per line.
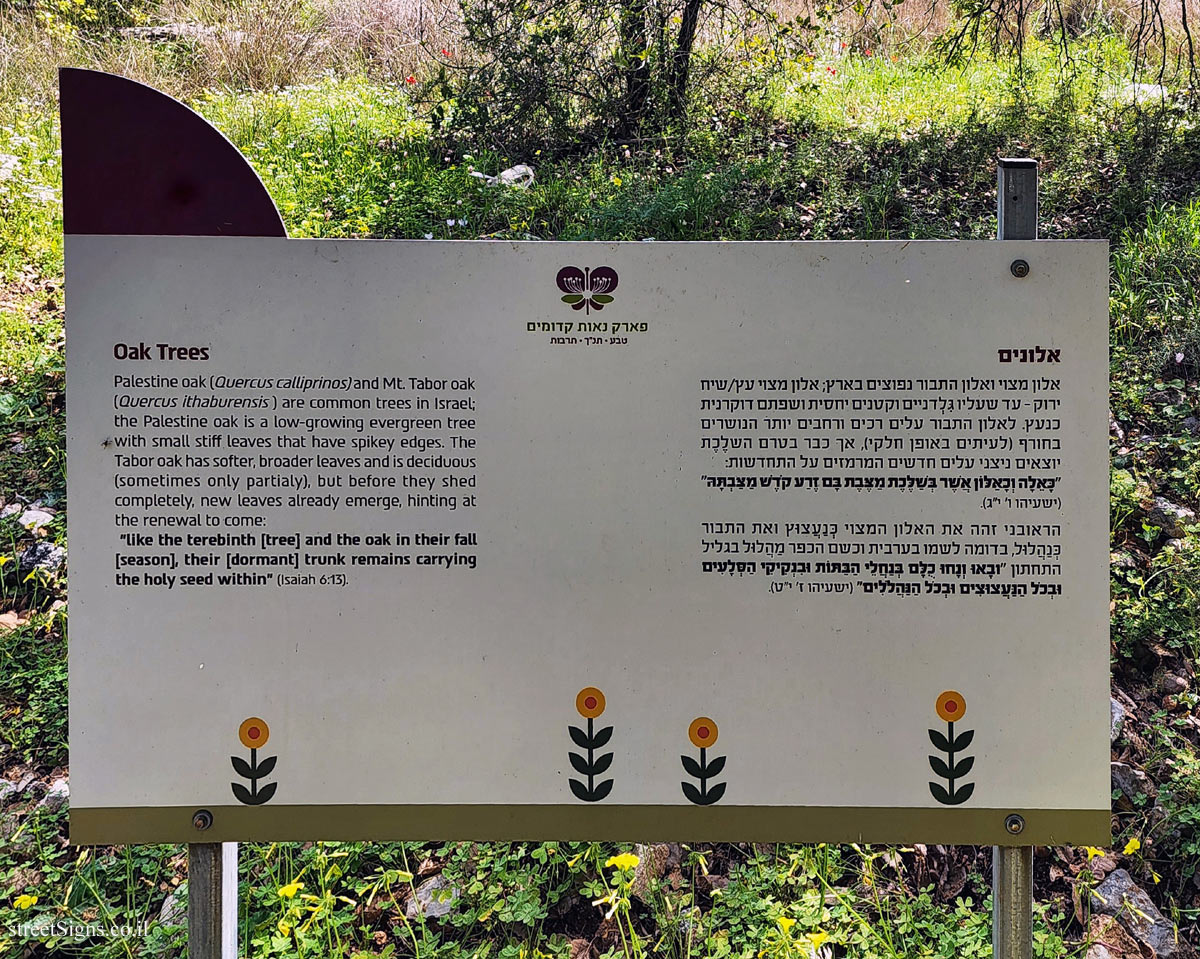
x,y
740,541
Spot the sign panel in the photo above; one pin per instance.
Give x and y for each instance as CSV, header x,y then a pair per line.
x,y
743,541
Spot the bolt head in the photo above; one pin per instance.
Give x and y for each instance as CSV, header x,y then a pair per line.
x,y
1014,824
202,819
1019,269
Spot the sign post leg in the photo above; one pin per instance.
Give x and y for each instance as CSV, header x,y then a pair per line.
x,y
1012,902
1012,866
212,900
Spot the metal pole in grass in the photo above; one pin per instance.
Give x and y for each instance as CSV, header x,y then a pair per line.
x,y
212,899
1012,866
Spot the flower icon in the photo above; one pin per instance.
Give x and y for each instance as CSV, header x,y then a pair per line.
x,y
590,705
590,702
703,734
951,706
253,733
587,288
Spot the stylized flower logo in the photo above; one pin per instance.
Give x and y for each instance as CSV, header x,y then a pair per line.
x,y
253,733
951,706
703,734
587,289
590,704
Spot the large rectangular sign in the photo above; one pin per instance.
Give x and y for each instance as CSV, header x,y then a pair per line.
x,y
744,541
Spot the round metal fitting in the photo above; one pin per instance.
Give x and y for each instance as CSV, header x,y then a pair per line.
x,y
1019,269
202,819
1014,824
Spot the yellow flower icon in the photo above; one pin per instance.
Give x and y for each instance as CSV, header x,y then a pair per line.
x,y
625,860
254,733
702,732
24,902
951,706
289,891
589,702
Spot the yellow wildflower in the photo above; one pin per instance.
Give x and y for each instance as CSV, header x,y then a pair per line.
x,y
284,929
1092,852
24,902
289,891
626,860
817,939
1132,846
785,924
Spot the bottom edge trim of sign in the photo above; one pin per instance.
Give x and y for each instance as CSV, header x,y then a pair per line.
x,y
875,824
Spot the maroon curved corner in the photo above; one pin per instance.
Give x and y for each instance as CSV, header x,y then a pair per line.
x,y
137,162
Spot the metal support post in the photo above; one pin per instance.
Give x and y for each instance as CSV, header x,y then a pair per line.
x,y
1012,902
1012,866
212,900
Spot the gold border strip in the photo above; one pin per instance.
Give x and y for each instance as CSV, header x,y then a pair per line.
x,y
870,824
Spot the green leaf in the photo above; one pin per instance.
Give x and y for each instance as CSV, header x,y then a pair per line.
x,y
602,298
572,298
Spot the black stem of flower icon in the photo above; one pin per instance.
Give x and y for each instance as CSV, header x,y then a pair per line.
x,y
591,755
592,766
253,771
952,768
950,752
704,771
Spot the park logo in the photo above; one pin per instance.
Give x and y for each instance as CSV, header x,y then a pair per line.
x,y
587,289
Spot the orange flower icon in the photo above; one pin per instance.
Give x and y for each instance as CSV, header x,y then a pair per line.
x,y
702,732
254,733
951,706
589,702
